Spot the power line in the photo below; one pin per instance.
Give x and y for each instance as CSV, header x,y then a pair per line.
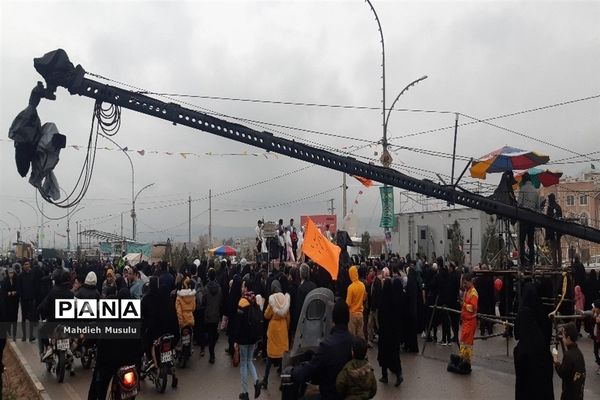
x,y
525,136
498,116
318,145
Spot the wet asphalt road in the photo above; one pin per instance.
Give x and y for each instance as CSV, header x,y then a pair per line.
x,y
425,377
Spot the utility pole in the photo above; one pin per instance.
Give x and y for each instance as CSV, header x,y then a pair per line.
x,y
121,226
209,218
454,149
189,219
68,234
344,205
77,229
41,239
331,209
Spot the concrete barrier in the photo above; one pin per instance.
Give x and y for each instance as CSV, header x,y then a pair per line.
x,y
27,371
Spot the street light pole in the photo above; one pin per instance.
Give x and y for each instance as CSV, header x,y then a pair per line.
x,y
133,227
68,225
5,223
69,216
386,158
20,225
37,220
133,215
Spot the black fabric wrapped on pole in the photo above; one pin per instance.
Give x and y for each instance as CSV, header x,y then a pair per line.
x,y
25,130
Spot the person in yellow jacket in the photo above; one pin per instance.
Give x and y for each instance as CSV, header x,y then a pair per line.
x,y
185,304
355,298
278,314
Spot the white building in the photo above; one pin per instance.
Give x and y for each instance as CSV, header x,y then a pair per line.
x,y
430,232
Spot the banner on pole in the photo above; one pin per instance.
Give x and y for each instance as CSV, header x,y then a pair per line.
x,y
388,219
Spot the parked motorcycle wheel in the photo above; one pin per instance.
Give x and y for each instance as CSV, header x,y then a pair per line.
x,y
182,361
161,379
60,367
86,360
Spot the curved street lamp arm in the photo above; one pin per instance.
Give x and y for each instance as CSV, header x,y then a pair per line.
x,y
384,140
32,207
130,163
401,93
17,218
140,191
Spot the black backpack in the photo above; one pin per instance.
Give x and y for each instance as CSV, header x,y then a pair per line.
x,y
255,322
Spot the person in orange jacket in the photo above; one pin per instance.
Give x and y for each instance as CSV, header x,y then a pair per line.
x,y
461,363
468,317
185,304
355,298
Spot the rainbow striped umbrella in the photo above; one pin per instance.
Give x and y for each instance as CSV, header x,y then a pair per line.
x,y
538,177
506,159
223,251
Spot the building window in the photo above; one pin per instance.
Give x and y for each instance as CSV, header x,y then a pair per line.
x,y
584,219
570,200
583,200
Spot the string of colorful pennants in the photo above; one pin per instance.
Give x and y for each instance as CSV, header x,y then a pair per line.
x,y
184,155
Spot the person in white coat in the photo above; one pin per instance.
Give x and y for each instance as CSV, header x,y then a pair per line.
x,y
287,237
299,254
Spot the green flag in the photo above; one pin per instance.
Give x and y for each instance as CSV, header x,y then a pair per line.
x,y
388,219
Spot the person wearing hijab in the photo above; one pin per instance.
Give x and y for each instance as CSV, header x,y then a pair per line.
x,y
10,297
231,306
108,282
278,315
533,361
411,315
388,346
158,317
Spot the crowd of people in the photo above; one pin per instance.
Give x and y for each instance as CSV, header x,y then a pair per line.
x,y
382,302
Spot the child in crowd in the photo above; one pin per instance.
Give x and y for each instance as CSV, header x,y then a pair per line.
x,y
357,380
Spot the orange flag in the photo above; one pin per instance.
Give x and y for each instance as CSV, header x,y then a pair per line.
x,y
321,250
366,182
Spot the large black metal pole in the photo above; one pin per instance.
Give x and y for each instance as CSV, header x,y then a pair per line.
x,y
73,79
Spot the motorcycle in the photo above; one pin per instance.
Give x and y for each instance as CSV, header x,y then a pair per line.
x,y
125,384
85,350
163,348
60,358
184,350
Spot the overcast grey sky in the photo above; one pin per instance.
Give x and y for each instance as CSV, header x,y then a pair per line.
x,y
483,58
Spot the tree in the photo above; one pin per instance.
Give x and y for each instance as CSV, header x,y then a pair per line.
x,y
456,245
365,244
195,254
491,246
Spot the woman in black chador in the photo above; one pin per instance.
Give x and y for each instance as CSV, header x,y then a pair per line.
x,y
533,361
411,317
388,353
